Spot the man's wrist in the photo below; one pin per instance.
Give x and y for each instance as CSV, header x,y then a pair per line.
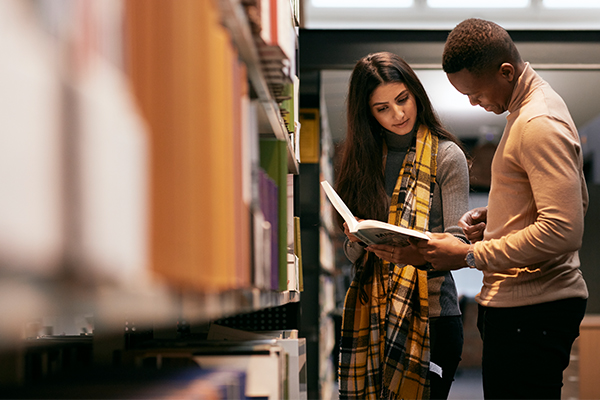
x,y
470,258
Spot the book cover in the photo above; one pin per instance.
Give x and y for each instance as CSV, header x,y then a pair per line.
x,y
371,231
273,159
310,140
274,219
268,206
298,253
263,361
32,149
294,347
241,207
191,169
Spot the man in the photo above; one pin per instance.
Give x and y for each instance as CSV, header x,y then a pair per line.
x,y
526,240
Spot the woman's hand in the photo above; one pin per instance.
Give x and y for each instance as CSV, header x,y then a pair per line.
x,y
398,255
473,223
350,236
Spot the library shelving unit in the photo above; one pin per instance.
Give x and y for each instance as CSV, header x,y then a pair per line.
x,y
157,143
320,233
187,60
327,254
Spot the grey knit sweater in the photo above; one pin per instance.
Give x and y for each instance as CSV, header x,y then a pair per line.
x,y
450,201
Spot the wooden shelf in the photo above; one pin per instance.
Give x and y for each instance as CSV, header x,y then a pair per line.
x,y
112,306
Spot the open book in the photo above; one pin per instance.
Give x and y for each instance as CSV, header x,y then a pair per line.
x,y
371,231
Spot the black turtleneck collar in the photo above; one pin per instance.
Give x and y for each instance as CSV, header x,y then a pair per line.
x,y
398,142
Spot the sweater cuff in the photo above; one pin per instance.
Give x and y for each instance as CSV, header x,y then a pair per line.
x,y
353,250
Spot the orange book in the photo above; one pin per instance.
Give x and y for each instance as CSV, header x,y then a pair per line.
x,y
168,61
218,135
242,207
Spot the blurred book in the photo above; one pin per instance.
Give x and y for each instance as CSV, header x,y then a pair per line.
x,y
294,346
264,363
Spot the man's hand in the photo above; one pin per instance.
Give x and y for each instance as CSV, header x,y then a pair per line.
x,y
444,251
473,223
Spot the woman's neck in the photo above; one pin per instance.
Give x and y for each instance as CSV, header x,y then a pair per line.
x,y
396,142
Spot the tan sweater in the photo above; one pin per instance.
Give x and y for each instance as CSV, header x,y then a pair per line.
x,y
537,203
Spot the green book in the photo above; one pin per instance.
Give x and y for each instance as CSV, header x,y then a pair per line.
x,y
273,160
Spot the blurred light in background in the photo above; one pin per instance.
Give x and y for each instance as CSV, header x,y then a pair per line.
x,y
363,3
571,3
477,4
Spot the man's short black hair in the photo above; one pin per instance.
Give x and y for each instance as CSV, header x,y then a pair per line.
x,y
478,46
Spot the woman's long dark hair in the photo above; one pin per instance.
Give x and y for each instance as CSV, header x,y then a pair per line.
x,y
360,174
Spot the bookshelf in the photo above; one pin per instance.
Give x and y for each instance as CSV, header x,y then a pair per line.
x,y
327,242
149,180
236,20
199,129
320,231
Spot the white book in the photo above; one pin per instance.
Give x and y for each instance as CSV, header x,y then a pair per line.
x,y
288,339
263,361
371,231
111,201
32,143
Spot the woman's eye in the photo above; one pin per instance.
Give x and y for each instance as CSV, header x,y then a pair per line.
x,y
381,109
402,100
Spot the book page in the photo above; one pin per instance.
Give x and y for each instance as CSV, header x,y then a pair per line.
x,y
389,229
371,231
340,206
377,232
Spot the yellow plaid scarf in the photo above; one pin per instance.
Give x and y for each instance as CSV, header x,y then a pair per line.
x,y
384,351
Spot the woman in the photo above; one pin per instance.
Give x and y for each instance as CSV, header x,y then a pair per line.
x,y
402,330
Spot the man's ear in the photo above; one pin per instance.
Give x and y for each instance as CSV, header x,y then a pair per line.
x,y
507,70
